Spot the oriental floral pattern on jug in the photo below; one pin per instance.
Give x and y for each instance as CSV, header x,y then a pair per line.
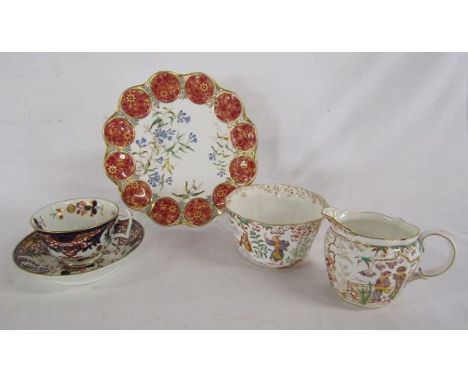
x,y
368,275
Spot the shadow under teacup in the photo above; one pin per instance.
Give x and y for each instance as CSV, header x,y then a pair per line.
x,y
274,224
76,231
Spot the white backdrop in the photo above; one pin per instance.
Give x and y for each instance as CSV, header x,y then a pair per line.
x,y
383,132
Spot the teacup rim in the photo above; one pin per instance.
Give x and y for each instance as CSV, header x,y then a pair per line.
x,y
31,222
275,184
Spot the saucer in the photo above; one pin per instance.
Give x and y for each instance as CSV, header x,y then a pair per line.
x,y
32,255
177,145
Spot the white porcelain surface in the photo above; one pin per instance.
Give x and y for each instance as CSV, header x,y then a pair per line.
x,y
274,225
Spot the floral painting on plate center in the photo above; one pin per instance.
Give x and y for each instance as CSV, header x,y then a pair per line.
x,y
174,142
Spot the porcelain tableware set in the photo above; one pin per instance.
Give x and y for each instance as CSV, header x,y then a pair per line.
x,y
73,237
182,150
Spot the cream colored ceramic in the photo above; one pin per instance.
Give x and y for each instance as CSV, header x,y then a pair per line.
x,y
76,231
371,257
274,225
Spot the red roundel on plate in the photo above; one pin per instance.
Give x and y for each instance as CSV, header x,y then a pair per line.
x,y
165,87
199,88
137,194
220,192
119,165
227,107
198,211
243,136
242,169
165,211
119,132
136,103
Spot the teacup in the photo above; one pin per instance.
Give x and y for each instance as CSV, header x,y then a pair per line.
x,y
77,231
274,225
371,257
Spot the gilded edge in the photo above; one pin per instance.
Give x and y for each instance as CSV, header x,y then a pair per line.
x,y
314,196
252,153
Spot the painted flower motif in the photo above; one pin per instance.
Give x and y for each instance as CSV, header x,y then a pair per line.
x,y
119,165
242,169
183,117
220,154
111,170
57,214
157,155
227,107
220,193
193,138
243,136
83,207
165,87
135,102
137,194
380,266
198,211
154,179
199,88
161,135
141,142
367,273
119,132
165,211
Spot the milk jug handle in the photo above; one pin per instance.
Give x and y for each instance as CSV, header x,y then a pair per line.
x,y
442,269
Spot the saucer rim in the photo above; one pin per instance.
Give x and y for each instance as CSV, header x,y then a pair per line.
x,y
71,275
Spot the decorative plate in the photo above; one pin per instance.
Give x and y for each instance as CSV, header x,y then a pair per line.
x,y
177,146
32,255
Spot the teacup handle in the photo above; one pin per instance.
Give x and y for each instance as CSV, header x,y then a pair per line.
x,y
127,216
436,272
